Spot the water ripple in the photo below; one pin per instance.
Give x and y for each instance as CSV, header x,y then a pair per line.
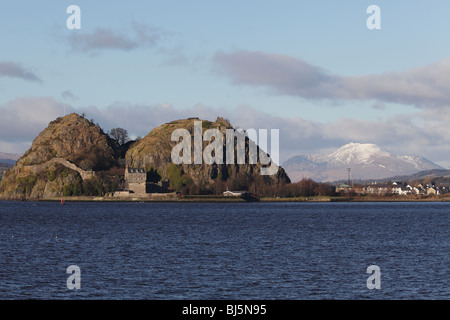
x,y
217,251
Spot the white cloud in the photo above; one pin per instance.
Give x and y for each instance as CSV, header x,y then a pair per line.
x,y
427,86
18,148
15,70
138,119
280,73
102,39
23,118
68,95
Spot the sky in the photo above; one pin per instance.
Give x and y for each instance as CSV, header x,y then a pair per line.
x,y
312,69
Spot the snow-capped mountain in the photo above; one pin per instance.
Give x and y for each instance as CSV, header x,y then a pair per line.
x,y
366,161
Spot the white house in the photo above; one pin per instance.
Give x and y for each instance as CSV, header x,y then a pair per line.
x,y
403,191
234,193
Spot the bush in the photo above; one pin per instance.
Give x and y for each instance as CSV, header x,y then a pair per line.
x,y
51,175
73,189
65,172
93,187
68,190
77,189
177,179
25,184
108,181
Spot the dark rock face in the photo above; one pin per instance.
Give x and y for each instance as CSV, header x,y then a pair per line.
x,y
154,152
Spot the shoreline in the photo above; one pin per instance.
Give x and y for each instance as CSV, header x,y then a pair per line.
x,y
201,198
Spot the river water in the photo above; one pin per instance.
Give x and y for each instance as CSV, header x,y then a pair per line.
x,y
165,251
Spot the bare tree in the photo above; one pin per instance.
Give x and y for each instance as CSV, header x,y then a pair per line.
x,y
120,135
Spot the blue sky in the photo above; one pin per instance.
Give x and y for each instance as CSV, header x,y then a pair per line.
x,y
310,68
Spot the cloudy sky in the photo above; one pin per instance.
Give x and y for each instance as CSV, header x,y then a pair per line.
x,y
311,69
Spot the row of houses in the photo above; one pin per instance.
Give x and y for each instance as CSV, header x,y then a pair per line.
x,y
396,187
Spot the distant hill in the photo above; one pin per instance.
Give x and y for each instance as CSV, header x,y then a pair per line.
x,y
366,161
435,174
9,158
8,161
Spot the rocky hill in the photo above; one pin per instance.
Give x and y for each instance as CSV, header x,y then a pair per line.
x,y
73,156
70,139
367,161
153,153
75,139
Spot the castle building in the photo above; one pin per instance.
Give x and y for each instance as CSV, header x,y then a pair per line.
x,y
136,179
137,182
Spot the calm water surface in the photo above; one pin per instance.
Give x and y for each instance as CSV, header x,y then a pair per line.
x,y
224,250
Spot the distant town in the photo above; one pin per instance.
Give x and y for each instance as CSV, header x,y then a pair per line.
x,y
396,188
